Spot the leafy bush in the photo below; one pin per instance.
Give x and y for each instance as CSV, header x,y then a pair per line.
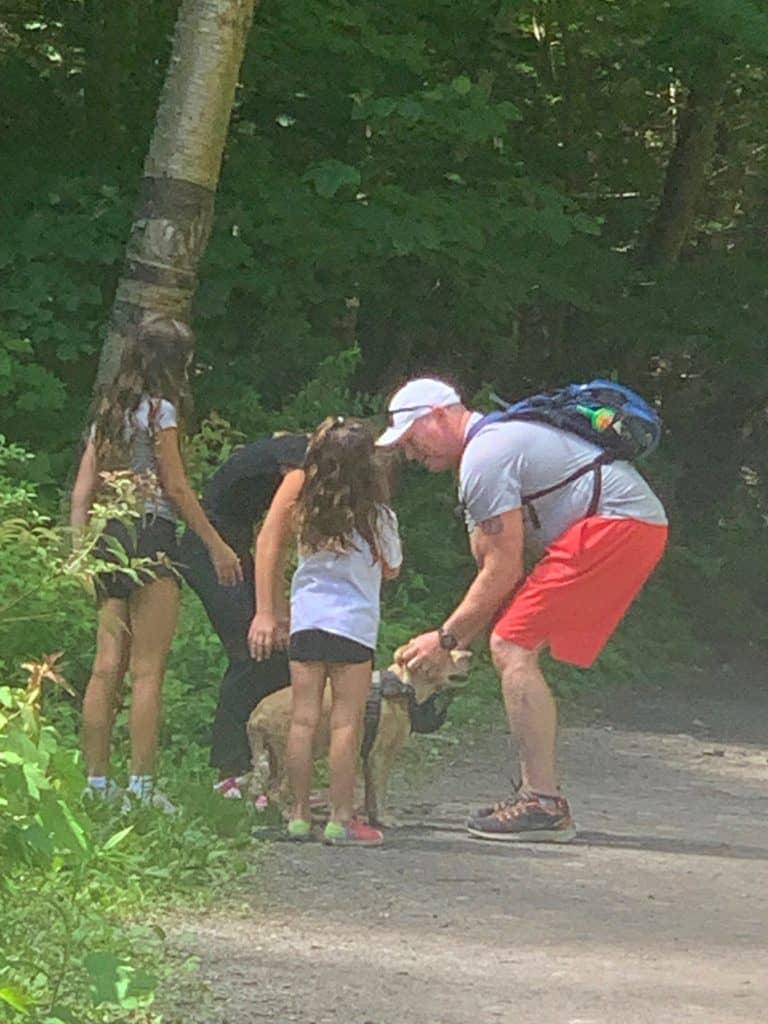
x,y
75,876
52,858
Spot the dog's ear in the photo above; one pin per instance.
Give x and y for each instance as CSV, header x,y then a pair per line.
x,y
460,668
462,658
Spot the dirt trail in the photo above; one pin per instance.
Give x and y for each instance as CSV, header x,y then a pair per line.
x,y
657,914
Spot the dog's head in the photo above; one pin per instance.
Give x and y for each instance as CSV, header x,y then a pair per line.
x,y
452,673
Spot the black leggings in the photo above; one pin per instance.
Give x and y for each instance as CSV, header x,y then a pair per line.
x,y
245,681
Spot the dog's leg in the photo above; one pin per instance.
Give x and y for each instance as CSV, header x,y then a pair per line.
x,y
381,759
380,770
394,729
371,801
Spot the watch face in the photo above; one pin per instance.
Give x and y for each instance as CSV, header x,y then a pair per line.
x,y
447,640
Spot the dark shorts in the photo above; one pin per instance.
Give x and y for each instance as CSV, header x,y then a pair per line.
x,y
152,537
318,645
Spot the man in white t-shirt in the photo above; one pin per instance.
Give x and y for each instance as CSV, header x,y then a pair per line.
x,y
600,536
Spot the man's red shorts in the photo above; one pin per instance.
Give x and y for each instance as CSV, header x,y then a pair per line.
x,y
577,594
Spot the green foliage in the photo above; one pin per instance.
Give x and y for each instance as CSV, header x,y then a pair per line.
x,y
58,263
80,875
50,857
76,874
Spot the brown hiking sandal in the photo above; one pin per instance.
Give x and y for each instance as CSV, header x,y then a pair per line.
x,y
526,818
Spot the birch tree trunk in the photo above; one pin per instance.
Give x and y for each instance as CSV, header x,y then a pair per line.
x,y
174,214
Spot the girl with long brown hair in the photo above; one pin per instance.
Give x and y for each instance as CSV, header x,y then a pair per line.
x,y
136,427
348,540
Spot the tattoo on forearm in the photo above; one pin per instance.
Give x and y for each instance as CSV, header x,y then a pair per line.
x,y
493,526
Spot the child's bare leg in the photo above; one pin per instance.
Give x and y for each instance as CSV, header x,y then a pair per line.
x,y
154,611
350,685
113,643
307,686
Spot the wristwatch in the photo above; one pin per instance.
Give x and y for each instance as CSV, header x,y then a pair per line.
x,y
448,641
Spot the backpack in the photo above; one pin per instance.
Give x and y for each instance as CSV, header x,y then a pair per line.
x,y
602,412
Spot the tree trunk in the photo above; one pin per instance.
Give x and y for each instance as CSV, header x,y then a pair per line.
x,y
687,170
174,213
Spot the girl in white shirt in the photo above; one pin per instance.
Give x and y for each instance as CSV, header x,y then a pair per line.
x,y
348,540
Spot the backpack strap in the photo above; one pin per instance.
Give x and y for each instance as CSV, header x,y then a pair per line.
x,y
595,466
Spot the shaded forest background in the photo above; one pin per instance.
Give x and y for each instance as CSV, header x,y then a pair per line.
x,y
514,194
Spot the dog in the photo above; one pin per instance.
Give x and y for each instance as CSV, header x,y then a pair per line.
x,y
399,702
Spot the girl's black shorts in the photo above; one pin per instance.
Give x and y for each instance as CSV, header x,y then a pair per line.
x,y
319,645
149,537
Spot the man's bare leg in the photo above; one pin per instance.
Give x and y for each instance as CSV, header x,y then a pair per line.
x,y
531,712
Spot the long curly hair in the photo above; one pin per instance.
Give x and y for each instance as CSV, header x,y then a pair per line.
x,y
154,363
344,485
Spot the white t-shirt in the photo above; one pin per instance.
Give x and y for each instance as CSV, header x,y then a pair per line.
x,y
141,436
506,461
339,592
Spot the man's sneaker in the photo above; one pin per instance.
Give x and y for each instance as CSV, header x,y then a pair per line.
x,y
526,818
486,812
299,830
229,788
354,833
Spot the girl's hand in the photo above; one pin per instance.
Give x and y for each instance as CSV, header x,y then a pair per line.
x,y
227,565
283,633
262,635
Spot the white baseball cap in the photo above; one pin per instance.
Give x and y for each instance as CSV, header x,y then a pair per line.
x,y
413,400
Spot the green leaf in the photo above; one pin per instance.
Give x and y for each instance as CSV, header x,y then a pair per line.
x,y
61,1015
60,822
331,175
15,998
103,973
117,838
462,85
33,777
586,224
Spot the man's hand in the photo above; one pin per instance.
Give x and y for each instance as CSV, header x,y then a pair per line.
x,y
424,652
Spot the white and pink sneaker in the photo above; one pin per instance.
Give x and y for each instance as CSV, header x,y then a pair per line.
x,y
229,788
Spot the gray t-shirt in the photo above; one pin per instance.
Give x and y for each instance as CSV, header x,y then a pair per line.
x,y
506,461
340,592
141,428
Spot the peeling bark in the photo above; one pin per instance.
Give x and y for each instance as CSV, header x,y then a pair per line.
x,y
174,214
